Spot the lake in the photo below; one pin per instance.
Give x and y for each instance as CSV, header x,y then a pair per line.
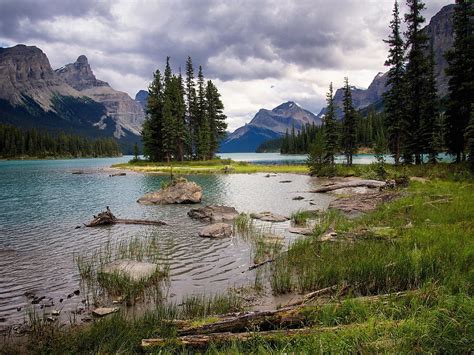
x,y
42,202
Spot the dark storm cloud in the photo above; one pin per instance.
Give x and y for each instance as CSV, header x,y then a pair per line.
x,y
17,17
309,34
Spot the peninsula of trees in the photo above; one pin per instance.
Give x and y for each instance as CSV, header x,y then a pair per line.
x,y
185,118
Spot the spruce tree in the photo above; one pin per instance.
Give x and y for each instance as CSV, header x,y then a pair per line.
x,y
317,154
469,138
429,114
152,135
330,128
349,124
461,79
202,141
394,98
168,129
190,89
215,117
416,41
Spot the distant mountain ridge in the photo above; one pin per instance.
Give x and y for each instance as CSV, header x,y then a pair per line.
x,y
268,124
71,99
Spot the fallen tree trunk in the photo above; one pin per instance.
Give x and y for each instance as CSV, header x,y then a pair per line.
x,y
289,316
140,221
201,340
108,218
356,183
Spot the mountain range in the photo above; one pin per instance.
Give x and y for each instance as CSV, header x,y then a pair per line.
x,y
440,34
268,124
70,99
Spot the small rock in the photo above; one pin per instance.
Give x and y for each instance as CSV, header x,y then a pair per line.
x,y
217,230
329,237
270,175
60,300
103,311
297,198
29,294
77,292
302,231
285,181
214,213
18,309
51,319
55,313
409,225
77,227
269,217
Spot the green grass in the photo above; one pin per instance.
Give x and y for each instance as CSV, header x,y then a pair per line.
x,y
301,217
436,246
104,286
217,166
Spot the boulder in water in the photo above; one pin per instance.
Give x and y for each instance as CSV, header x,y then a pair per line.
x,y
179,191
214,213
134,270
269,217
217,230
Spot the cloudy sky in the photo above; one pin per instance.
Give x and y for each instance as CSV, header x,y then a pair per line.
x,y
259,52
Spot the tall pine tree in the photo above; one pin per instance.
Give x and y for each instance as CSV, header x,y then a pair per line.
x,y
203,134
461,79
394,98
348,124
330,128
152,127
216,118
191,104
416,41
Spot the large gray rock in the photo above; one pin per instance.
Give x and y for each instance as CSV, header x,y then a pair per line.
x,y
269,217
214,213
217,230
182,191
134,270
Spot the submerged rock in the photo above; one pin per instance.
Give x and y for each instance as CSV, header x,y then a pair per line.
x,y
103,311
179,191
214,213
217,230
134,270
269,217
298,198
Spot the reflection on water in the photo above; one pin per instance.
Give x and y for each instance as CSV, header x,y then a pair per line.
x,y
41,203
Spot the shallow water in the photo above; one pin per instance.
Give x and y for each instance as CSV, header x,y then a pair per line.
x,y
41,203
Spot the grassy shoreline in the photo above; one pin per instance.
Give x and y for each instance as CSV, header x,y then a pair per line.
x,y
217,166
404,291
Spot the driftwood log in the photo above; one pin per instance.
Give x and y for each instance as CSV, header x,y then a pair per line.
x,y
269,324
107,218
356,183
201,340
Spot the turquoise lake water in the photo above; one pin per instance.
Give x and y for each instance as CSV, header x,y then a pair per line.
x,y
41,203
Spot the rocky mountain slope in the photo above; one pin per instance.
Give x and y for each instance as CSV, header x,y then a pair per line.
x,y
441,36
268,124
71,99
126,112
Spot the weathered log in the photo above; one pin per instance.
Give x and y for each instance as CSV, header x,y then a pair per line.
x,y
200,340
356,183
108,218
141,221
287,317
312,295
